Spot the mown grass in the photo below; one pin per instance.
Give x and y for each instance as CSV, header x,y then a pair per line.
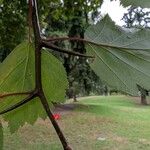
x,y
118,120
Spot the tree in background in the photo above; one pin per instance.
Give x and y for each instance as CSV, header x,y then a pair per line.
x,y
70,18
138,17
143,94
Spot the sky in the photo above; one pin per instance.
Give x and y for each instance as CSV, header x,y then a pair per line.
x,y
115,10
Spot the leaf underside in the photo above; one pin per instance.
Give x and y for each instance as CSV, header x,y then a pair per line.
x,y
141,3
122,69
17,74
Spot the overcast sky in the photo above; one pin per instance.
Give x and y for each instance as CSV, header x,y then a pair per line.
x,y
115,10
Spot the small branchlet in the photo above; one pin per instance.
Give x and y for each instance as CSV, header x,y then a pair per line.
x,y
56,48
14,94
19,104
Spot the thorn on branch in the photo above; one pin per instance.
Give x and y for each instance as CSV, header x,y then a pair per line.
x,y
56,48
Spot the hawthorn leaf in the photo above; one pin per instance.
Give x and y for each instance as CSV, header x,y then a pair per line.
x,y
122,57
1,136
17,74
141,3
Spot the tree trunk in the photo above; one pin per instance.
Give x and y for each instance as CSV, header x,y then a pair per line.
x,y
143,97
74,98
143,93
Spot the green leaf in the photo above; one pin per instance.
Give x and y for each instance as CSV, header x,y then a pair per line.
x,y
1,136
141,3
117,60
17,74
1,1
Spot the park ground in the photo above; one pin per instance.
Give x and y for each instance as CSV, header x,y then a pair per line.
x,y
93,123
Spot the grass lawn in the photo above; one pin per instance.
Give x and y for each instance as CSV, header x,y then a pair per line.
x,y
96,123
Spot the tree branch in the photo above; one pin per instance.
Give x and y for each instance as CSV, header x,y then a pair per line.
x,y
37,40
51,39
24,101
69,52
39,88
87,41
14,94
53,121
30,20
35,20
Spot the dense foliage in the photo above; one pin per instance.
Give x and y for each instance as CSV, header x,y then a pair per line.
x,y
13,25
137,17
